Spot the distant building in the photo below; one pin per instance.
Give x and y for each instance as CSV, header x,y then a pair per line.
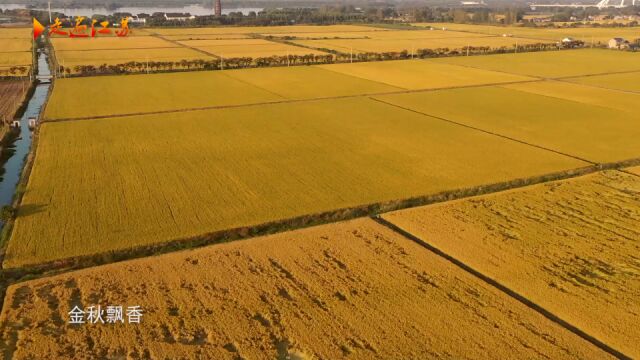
x,y
618,43
178,16
135,19
218,8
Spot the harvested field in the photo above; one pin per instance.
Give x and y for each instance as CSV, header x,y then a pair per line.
x,y
309,82
110,43
150,93
422,74
352,289
625,82
569,246
598,134
597,96
157,178
11,96
412,45
263,29
14,45
253,48
553,64
70,59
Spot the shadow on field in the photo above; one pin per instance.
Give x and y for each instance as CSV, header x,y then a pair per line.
x,y
30,209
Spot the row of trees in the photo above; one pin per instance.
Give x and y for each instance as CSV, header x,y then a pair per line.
x,y
214,64
292,60
14,71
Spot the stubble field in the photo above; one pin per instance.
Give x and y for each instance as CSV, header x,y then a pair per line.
x,y
569,246
350,290
157,178
11,96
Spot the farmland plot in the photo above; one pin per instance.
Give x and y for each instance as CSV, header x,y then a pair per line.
x,y
125,182
263,29
70,59
15,45
150,93
11,96
553,64
585,94
351,289
23,58
422,74
568,246
412,45
598,134
635,170
110,43
625,82
253,48
15,33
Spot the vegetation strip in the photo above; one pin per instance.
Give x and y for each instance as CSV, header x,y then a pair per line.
x,y
549,315
282,102
486,131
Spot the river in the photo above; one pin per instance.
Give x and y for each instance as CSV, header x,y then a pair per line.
x,y
197,10
20,147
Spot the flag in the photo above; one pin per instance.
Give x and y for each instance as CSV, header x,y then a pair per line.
x,y
38,29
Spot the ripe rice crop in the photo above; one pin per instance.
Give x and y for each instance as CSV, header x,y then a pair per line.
x,y
585,94
148,93
595,133
117,183
413,45
570,247
262,29
253,48
326,292
15,33
14,45
70,59
422,74
23,58
110,43
551,64
626,81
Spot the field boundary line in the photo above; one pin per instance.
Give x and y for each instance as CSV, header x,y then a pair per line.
x,y
488,132
179,44
631,92
503,288
285,100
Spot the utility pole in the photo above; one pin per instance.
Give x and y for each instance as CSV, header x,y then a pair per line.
x,y
50,20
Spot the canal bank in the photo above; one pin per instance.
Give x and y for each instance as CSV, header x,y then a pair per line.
x,y
19,151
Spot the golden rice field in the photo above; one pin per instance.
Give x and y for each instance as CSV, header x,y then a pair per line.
x,y
15,33
262,29
587,34
570,247
379,35
422,74
157,178
161,92
596,133
15,45
205,37
172,92
110,43
635,170
253,48
551,64
412,45
349,290
8,60
70,59
591,95
625,82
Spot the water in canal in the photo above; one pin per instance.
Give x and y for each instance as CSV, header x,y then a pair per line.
x,y
18,150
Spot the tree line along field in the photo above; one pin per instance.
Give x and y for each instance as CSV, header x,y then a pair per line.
x,y
595,35
157,178
353,289
569,246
